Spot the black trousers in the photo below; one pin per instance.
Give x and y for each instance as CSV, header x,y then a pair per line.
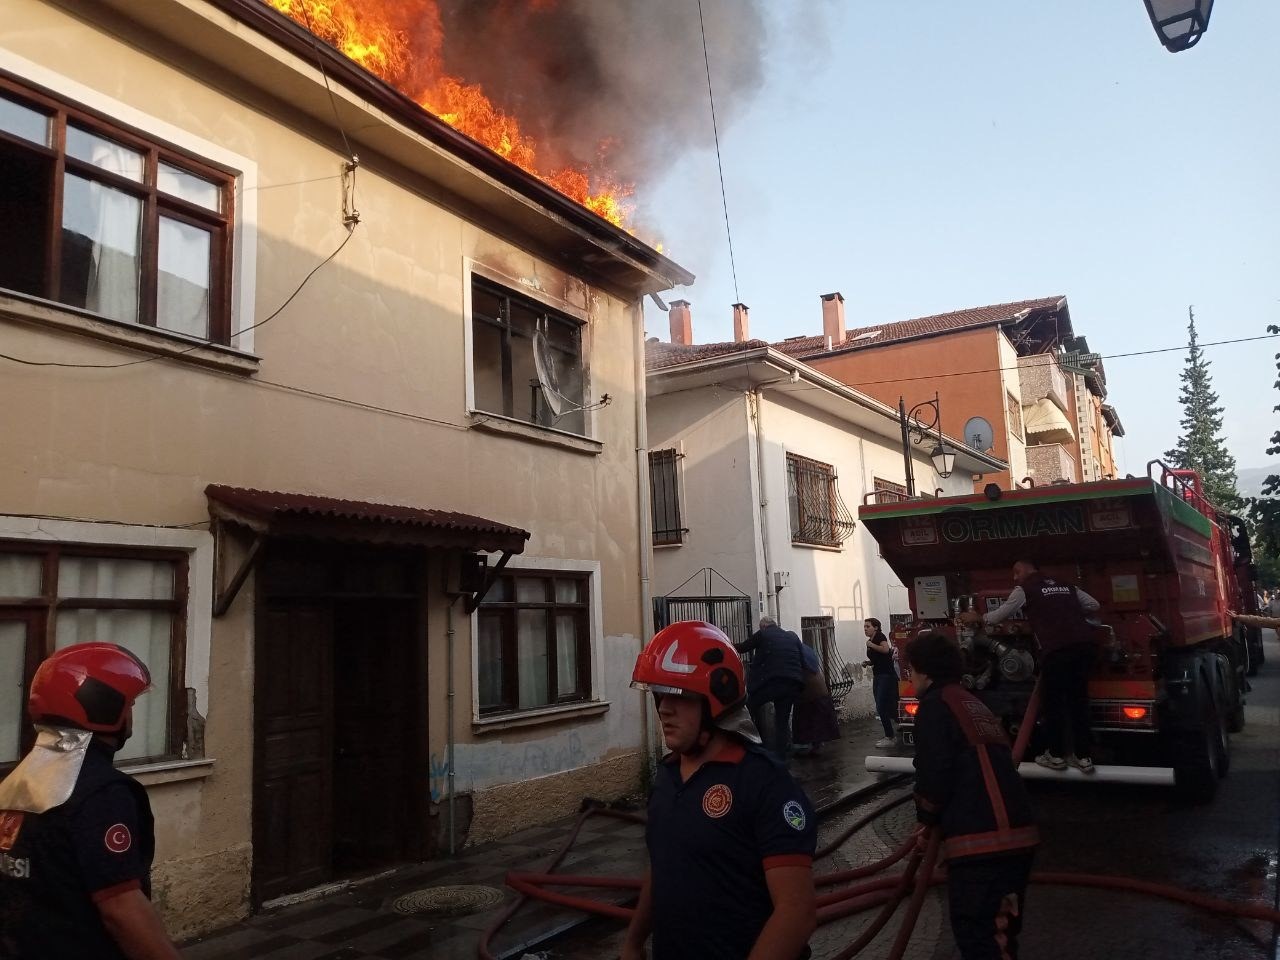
x,y
774,725
884,688
987,898
1065,675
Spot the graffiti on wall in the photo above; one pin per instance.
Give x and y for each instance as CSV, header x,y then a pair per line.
x,y
497,763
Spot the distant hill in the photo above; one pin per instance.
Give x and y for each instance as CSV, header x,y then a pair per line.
x,y
1249,480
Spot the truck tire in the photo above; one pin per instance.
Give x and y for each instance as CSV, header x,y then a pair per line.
x,y
1199,757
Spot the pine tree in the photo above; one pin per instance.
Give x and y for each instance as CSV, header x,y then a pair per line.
x,y
1264,511
1200,445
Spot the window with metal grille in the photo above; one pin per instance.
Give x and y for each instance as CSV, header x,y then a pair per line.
x,y
1014,410
818,515
820,634
887,491
664,497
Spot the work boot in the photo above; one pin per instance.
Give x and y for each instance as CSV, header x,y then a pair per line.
x,y
1048,760
1083,764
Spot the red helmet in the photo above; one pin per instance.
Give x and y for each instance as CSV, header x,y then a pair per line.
x,y
88,685
692,657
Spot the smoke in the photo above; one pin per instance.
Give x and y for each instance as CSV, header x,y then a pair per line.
x,y
608,84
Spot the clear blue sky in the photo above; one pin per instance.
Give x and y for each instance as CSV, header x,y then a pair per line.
x,y
926,156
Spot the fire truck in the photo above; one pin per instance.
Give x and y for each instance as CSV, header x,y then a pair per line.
x,y
1168,568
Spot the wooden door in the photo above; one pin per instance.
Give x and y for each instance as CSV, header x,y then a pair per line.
x,y
374,731
293,813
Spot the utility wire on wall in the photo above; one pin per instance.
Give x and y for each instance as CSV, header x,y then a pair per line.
x,y
724,200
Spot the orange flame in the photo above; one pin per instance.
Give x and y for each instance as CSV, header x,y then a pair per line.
x,y
399,41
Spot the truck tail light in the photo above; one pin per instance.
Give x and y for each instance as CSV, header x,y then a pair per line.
x,y
910,707
1134,711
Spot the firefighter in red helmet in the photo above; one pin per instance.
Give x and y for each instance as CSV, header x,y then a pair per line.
x,y
730,834
76,835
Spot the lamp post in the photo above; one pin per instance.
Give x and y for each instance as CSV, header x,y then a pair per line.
x,y
1179,23
916,429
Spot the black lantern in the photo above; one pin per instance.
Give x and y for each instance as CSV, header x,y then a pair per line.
x,y
1179,23
924,422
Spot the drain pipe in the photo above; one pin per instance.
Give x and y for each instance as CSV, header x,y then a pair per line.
x,y
450,697
645,518
757,412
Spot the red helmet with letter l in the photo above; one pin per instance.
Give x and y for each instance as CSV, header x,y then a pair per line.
x,y
89,685
692,657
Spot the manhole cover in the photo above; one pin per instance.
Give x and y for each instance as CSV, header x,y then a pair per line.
x,y
448,901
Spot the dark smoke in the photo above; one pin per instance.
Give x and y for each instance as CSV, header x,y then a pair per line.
x,y
623,76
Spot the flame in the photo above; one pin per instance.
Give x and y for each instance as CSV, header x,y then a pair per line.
x,y
399,41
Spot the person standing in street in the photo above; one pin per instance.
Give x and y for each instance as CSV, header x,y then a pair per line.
x,y
76,835
1067,651
730,835
968,787
776,677
884,679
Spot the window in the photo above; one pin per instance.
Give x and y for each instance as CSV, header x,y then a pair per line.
x,y
1013,411
534,641
51,598
818,515
526,359
664,497
887,491
103,220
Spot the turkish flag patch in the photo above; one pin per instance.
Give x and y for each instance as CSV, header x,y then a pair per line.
x,y
10,825
118,838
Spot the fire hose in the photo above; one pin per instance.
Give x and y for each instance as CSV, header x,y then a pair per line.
x,y
921,850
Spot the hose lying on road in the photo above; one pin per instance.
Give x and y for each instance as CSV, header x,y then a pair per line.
x,y
921,851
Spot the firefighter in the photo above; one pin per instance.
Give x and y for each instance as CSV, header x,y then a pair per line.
x,y
730,834
968,787
76,835
1067,649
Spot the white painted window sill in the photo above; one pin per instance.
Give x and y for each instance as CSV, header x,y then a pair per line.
x,y
168,771
506,426
816,546
145,340
533,718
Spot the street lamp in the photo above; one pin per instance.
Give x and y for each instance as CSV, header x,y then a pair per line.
x,y
1179,23
916,429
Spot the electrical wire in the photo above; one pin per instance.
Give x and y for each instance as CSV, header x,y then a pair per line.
x,y
162,356
715,129
333,103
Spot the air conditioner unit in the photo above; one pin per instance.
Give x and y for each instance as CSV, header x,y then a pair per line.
x,y
781,579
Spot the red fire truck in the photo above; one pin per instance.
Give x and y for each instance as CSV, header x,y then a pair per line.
x,y
1168,686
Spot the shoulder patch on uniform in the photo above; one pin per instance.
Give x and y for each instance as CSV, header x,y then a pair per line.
x,y
717,801
10,824
118,839
793,813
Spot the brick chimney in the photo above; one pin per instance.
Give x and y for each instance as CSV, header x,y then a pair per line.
x,y
740,329
681,323
833,318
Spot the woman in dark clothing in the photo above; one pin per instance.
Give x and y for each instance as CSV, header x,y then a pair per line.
x,y
884,678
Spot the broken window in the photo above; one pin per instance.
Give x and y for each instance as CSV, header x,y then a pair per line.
x,y
533,643
818,515
59,596
664,497
103,220
526,359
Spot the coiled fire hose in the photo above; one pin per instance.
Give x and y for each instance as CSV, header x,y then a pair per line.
x,y
921,851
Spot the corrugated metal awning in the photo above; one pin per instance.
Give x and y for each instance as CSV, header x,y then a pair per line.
x,y
1047,422
301,515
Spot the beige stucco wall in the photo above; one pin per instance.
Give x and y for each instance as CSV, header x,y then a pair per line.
x,y
381,325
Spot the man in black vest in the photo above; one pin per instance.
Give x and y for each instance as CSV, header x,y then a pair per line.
x,y
1057,614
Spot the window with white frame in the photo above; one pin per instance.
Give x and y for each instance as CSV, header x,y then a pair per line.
x,y
526,359
533,641
105,219
52,597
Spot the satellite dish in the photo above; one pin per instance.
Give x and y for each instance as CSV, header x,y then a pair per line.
x,y
978,434
548,367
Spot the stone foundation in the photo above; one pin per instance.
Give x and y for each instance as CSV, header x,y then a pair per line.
x,y
512,807
200,894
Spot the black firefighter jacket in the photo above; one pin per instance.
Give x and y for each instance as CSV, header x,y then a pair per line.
x,y
965,777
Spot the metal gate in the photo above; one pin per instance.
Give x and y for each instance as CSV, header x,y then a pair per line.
x,y
820,634
730,614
